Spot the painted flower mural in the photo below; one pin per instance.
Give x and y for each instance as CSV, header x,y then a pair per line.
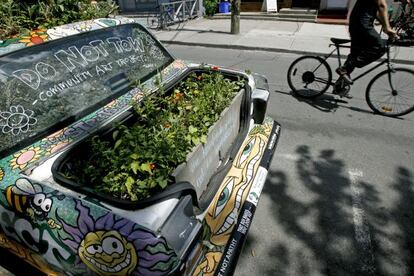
x,y
35,37
56,147
179,64
24,157
83,27
109,245
17,120
61,31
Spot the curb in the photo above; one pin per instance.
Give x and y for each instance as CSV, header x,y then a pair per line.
x,y
268,49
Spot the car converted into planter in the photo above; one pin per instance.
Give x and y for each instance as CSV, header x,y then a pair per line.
x,y
116,158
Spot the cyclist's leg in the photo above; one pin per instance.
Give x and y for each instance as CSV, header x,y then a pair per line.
x,y
372,48
345,71
366,47
349,65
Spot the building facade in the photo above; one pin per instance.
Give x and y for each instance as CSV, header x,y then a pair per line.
x,y
329,6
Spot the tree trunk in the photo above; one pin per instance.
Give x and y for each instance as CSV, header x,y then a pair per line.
x,y
235,16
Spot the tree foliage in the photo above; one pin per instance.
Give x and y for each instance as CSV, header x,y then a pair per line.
x,y
18,17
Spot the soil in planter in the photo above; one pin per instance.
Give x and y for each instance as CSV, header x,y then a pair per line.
x,y
134,160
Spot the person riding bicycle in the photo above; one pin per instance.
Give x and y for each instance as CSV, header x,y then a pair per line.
x,y
366,44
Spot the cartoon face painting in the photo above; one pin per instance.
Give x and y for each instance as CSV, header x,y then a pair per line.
x,y
107,252
222,215
28,199
109,245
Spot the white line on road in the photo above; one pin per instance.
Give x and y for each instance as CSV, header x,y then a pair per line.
x,y
362,234
288,156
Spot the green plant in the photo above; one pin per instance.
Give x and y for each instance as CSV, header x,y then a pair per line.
x,y
210,6
102,8
138,160
10,18
17,17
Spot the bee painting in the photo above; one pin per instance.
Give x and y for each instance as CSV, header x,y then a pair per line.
x,y
30,200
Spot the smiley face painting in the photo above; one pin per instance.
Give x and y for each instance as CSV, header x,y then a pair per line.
x,y
109,245
108,252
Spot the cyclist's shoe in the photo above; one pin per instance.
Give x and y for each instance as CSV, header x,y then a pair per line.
x,y
341,88
345,94
341,71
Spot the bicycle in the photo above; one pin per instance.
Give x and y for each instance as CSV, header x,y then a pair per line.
x,y
403,14
165,17
402,19
389,93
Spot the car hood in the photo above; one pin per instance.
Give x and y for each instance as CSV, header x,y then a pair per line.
x,y
47,87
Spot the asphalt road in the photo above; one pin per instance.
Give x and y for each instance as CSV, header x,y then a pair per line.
x,y
339,196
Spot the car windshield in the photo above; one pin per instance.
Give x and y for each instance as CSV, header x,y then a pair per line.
x,y
53,84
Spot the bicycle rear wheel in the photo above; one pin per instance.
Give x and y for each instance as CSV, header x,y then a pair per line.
x,y
309,76
390,93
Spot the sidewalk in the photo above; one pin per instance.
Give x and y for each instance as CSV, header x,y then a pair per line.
x,y
275,36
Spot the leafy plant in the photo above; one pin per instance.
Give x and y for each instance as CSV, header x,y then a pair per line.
x,y
138,160
18,17
210,6
10,18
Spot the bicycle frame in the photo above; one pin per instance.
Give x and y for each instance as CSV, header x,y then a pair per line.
x,y
338,53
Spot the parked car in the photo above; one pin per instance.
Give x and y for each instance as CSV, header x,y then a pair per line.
x,y
67,96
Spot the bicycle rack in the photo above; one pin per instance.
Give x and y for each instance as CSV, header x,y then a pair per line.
x,y
180,10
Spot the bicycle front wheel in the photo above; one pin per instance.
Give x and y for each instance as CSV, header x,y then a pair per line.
x,y
390,93
309,76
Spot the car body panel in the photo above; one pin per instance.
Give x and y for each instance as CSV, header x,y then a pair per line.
x,y
242,185
73,233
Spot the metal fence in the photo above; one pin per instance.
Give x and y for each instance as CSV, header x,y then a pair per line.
x,y
179,11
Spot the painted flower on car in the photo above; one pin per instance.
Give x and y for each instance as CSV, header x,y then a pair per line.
x,y
56,147
16,120
24,157
83,27
35,37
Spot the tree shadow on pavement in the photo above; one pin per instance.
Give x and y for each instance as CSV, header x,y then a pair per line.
x,y
322,224
403,214
325,102
392,226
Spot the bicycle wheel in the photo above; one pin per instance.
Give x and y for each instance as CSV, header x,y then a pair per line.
x,y
309,76
153,21
390,93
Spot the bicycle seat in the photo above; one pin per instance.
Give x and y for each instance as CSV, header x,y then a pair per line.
x,y
339,41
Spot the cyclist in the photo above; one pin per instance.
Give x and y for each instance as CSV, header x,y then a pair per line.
x,y
366,44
